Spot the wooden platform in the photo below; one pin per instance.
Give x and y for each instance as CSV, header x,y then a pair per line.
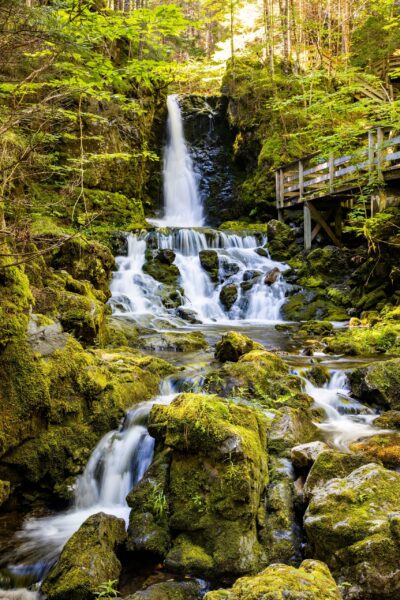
x,y
334,181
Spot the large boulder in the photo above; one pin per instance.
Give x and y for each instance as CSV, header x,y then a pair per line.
x,y
353,523
304,455
87,560
210,263
330,464
233,345
228,295
215,485
378,383
383,448
160,267
281,240
311,581
170,590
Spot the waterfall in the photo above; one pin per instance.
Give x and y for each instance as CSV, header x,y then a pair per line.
x,y
135,294
117,463
347,419
183,206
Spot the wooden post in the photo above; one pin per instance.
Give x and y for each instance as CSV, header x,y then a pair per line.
x,y
331,173
371,153
277,190
281,188
301,179
280,215
379,140
307,227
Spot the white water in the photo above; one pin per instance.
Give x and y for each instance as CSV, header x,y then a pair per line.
x,y
117,463
135,294
347,419
182,202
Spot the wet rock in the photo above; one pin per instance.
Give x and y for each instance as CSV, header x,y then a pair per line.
x,y
319,328
170,590
383,448
281,240
250,278
118,241
272,276
318,375
87,560
83,316
171,297
216,483
304,455
330,464
353,524
148,522
165,256
259,376
311,581
388,420
228,269
4,491
187,315
229,295
210,263
291,426
233,345
176,341
45,335
162,270
378,384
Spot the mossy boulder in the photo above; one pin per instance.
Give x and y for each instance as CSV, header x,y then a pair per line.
x,y
311,581
281,241
319,328
330,464
170,590
233,345
87,560
15,302
383,448
217,478
367,340
388,420
177,341
148,522
318,375
159,266
228,295
378,384
291,426
114,209
305,455
353,524
210,263
261,377
85,260
310,306
83,316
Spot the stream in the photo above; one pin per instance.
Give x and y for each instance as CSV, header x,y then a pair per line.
x,y
121,458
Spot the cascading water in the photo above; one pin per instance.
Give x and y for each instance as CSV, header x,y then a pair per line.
x,y
117,463
183,206
135,294
347,419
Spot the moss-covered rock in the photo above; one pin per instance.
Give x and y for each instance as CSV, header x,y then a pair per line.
x,y
319,328
177,341
170,590
291,426
148,522
233,345
380,338
388,420
281,241
210,263
84,316
305,455
15,301
85,260
228,295
380,448
378,384
306,306
311,581
216,481
260,377
328,465
353,524
318,375
161,269
114,209
87,560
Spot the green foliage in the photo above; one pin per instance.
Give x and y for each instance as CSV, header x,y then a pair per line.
x,y
108,590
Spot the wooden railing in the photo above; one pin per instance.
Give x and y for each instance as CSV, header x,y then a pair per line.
x,y
312,177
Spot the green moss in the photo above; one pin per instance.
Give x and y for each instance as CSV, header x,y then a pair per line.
x,y
352,523
84,316
4,491
379,339
170,590
260,377
380,448
15,301
228,295
281,241
180,342
243,226
303,307
233,345
163,272
115,209
378,383
210,263
312,580
87,560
